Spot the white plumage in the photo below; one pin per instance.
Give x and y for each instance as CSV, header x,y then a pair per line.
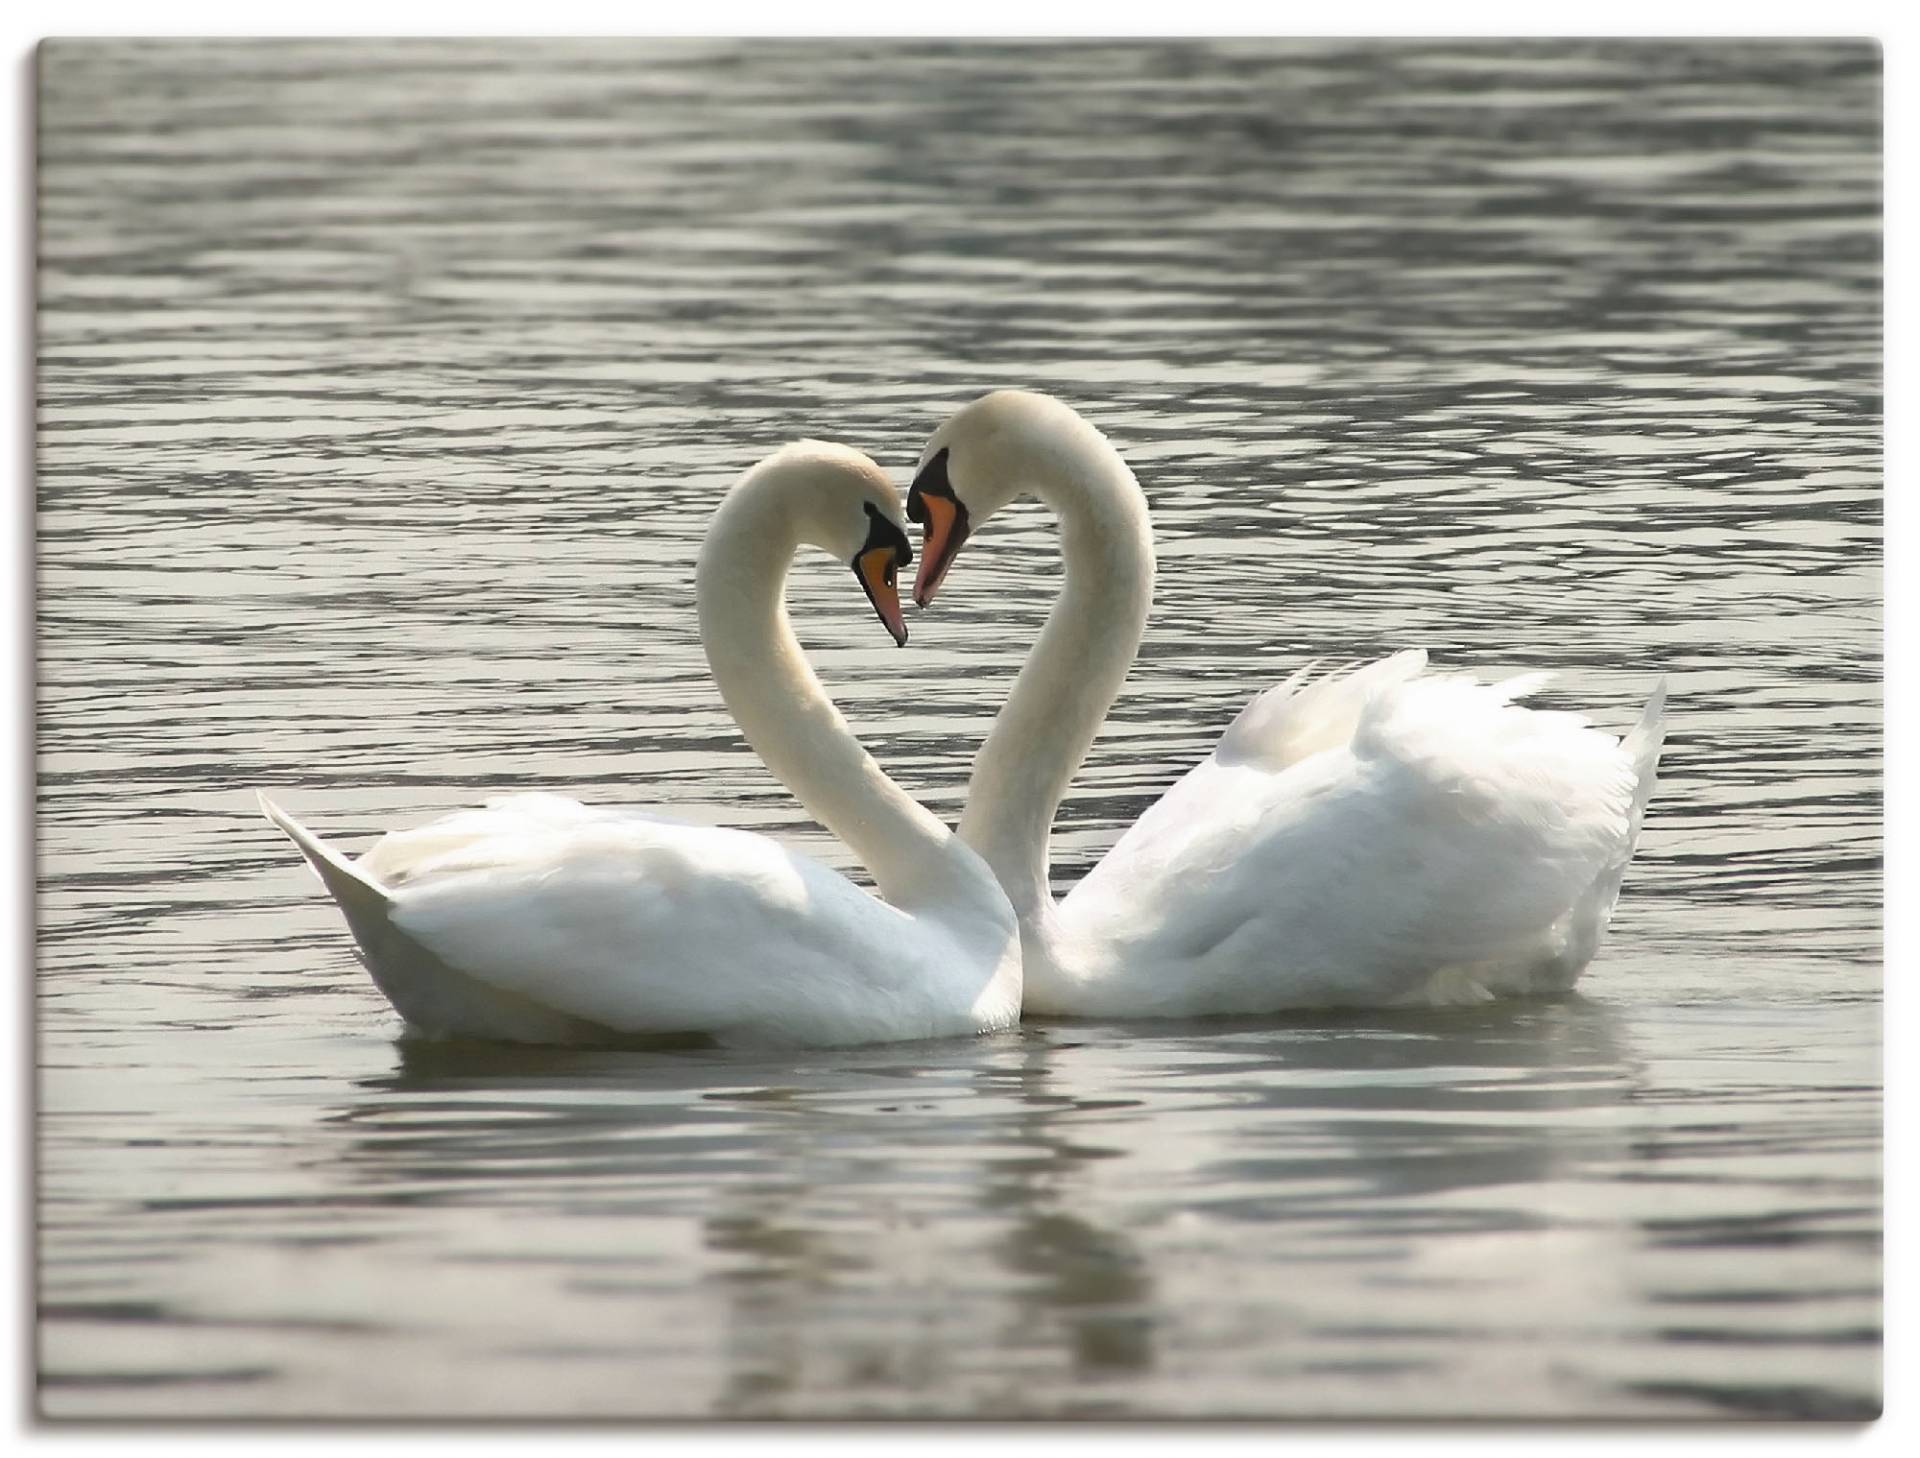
x,y
1398,837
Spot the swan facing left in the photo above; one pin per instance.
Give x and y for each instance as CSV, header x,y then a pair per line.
x,y
537,919
1376,837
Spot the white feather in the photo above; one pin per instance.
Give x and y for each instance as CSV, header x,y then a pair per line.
x,y
1446,846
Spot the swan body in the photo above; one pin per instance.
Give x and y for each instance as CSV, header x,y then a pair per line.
x,y
1418,838
539,919
1378,836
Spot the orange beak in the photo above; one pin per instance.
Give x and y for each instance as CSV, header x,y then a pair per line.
x,y
944,530
876,568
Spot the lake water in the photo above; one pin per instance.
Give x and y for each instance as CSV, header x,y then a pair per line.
x,y
385,389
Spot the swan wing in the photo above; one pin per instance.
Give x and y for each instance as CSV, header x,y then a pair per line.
x,y
1436,826
473,837
1296,718
1303,715
643,925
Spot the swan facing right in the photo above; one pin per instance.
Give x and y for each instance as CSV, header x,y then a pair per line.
x,y
539,919
1380,836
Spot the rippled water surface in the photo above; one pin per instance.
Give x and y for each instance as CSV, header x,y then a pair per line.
x,y
385,389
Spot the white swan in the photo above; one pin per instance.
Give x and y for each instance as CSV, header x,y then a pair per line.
x,y
537,919
1374,837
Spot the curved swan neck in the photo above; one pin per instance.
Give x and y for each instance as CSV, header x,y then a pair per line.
x,y
786,715
1081,659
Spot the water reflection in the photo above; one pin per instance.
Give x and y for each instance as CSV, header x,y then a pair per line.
x,y
1082,1284
811,1305
860,1216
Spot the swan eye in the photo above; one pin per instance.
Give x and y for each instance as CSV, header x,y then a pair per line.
x,y
932,481
944,524
877,565
883,533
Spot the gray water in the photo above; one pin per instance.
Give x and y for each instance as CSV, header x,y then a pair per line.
x,y
384,391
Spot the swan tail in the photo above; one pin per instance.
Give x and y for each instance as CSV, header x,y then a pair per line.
x,y
1642,745
434,997
364,900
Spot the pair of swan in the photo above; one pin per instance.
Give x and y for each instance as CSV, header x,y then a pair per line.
x,y
1375,837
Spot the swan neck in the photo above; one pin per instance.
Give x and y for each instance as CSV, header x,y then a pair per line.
x,y
1077,665
788,720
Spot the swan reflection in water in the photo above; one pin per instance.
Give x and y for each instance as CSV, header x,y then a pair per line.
x,y
1068,1192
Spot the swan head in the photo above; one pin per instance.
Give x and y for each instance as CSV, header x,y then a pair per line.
x,y
984,457
837,499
